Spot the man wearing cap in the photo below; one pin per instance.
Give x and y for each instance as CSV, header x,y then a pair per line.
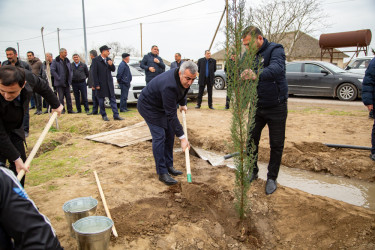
x,y
124,77
101,69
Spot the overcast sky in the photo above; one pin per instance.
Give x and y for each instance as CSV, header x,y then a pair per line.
x,y
188,30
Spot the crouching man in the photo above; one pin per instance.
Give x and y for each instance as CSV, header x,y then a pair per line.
x,y
157,105
16,88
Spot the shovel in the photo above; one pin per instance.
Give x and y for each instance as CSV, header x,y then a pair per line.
x,y
37,144
187,156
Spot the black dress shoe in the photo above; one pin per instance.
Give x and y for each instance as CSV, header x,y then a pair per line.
x,y
167,179
105,118
210,107
124,110
45,112
92,113
271,186
72,112
118,118
253,177
198,106
173,171
79,111
38,112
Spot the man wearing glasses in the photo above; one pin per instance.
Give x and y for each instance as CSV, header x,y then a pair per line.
x,y
157,105
152,64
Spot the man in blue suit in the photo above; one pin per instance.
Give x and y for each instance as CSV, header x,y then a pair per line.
x,y
157,105
124,77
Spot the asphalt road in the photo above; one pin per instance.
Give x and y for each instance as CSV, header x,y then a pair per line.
x,y
304,99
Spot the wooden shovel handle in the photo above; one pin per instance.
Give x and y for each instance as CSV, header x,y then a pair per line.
x,y
37,144
187,155
114,231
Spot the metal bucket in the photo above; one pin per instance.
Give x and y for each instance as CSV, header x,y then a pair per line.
x,y
93,233
79,208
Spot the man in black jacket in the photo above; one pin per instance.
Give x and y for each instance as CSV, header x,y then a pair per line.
x,y
90,83
157,105
15,61
101,69
61,70
16,87
272,108
206,69
152,64
20,219
80,73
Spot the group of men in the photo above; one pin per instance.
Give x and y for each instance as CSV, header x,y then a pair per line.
x,y
159,99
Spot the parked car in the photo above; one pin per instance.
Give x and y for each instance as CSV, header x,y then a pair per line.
x,y
220,79
136,86
359,64
315,78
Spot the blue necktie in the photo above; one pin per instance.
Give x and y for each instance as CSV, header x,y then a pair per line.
x,y
207,73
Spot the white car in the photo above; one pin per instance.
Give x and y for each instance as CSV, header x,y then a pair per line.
x,y
137,84
359,64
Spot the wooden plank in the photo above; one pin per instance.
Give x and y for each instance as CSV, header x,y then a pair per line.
x,y
125,136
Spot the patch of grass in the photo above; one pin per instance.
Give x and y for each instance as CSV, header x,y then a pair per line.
x,y
341,113
52,187
73,129
59,218
52,130
46,168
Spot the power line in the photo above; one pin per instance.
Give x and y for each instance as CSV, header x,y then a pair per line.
x,y
136,18
26,39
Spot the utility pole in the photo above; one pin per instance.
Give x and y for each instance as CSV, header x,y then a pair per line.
x,y
18,48
227,16
84,30
141,40
58,37
218,26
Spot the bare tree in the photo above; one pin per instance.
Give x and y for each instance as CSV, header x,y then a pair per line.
x,y
279,18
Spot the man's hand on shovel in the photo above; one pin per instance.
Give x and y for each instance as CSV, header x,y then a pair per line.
x,y
185,144
58,110
20,165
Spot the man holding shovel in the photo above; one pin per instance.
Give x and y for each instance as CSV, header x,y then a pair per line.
x,y
16,87
157,105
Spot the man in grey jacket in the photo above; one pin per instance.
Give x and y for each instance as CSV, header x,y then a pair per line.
x,y
62,72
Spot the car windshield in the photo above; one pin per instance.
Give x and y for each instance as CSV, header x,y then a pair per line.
x,y
333,67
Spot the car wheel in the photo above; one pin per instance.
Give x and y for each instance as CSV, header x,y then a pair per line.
x,y
107,104
219,83
347,92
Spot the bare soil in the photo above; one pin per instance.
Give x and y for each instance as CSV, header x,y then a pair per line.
x,y
201,215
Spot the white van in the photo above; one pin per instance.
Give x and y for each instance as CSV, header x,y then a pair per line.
x,y
359,64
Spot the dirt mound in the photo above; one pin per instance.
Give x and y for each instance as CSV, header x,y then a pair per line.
x,y
352,163
194,203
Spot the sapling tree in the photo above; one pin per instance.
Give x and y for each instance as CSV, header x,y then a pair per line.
x,y
242,90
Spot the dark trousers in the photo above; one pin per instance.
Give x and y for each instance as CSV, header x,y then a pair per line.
x,y
227,101
19,145
65,92
124,96
95,102
112,101
38,101
209,85
373,139
275,119
162,147
26,120
32,101
80,90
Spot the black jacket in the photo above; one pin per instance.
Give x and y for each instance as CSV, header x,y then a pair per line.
x,y
20,218
158,100
148,61
80,73
19,63
202,70
102,76
12,113
58,72
272,85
